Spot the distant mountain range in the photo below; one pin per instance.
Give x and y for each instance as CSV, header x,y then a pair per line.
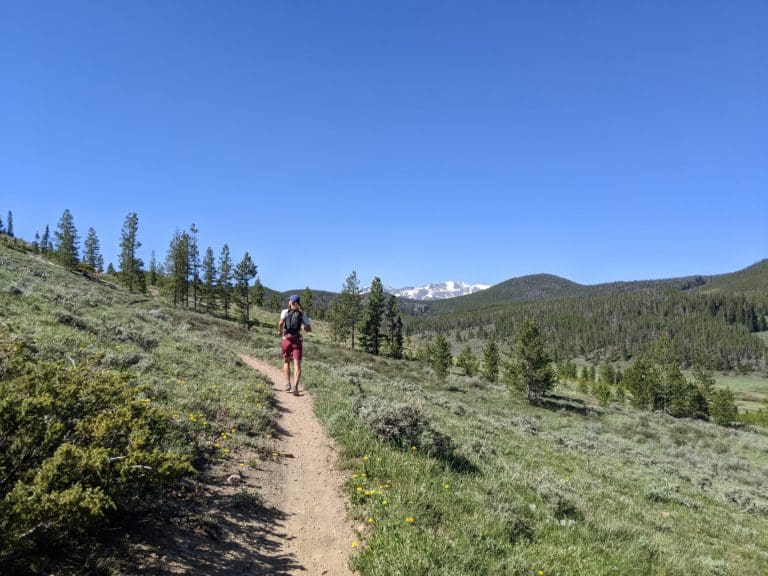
x,y
434,291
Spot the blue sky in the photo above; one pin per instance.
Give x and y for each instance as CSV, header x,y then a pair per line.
x,y
415,141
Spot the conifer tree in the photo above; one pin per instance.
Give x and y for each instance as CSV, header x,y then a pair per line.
x,y
467,361
244,272
67,241
225,279
491,359
153,273
177,267
370,335
258,293
394,329
440,357
194,263
306,301
45,241
2,228
92,256
36,242
346,310
111,269
722,407
209,279
531,368
131,266
9,225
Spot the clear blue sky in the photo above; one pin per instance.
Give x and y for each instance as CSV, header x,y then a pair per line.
x,y
415,141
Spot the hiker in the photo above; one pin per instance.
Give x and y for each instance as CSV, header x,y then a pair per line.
x,y
292,321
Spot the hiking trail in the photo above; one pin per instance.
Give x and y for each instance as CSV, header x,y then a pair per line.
x,y
305,485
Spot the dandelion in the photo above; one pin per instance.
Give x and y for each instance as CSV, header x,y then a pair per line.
x,y
365,458
224,435
409,519
354,476
370,520
413,448
226,450
540,573
446,486
217,445
364,475
384,502
355,543
359,489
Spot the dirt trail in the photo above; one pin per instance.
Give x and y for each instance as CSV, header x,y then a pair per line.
x,y
306,486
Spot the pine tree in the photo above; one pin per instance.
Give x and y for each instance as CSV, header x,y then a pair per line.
x,y
491,359
346,310
370,335
209,279
92,255
45,241
111,269
258,293
531,369
67,241
244,272
306,301
153,273
394,326
2,228
131,266
440,357
467,361
177,267
225,279
194,263
9,225
722,407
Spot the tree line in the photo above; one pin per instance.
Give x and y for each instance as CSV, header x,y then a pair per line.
x,y
211,285
374,319
715,330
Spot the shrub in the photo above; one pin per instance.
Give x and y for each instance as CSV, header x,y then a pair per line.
x,y
79,445
404,426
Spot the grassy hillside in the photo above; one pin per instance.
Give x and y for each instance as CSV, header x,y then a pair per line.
x,y
183,364
461,478
751,279
566,488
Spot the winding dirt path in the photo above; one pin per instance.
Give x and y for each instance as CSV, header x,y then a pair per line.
x,y
305,486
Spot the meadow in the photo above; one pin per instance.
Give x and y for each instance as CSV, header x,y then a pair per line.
x,y
462,477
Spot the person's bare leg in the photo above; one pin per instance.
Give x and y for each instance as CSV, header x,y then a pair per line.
x,y
296,374
287,372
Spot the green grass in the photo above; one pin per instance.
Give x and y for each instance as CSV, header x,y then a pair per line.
x,y
606,491
570,489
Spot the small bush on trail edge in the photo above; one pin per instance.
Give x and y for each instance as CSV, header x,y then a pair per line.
x,y
404,426
79,446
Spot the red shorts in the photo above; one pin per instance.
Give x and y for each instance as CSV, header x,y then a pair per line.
x,y
291,346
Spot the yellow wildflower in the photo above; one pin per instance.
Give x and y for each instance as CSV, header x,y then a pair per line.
x,y
409,519
355,543
370,520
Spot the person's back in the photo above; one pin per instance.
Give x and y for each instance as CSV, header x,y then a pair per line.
x,y
292,322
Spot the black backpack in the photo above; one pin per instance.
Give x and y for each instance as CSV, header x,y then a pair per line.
x,y
293,321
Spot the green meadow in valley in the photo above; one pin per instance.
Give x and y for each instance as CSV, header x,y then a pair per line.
x,y
459,477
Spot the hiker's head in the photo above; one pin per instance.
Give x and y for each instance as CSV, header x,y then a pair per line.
x,y
294,301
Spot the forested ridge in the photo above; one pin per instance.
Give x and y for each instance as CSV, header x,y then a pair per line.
x,y
710,321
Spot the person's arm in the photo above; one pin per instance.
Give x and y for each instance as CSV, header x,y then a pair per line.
x,y
307,326
280,325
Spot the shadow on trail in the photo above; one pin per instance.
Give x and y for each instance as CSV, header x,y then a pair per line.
x,y
213,535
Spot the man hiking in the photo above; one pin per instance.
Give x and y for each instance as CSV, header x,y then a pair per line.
x,y
292,322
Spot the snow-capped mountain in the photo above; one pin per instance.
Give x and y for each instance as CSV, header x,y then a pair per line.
x,y
436,291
